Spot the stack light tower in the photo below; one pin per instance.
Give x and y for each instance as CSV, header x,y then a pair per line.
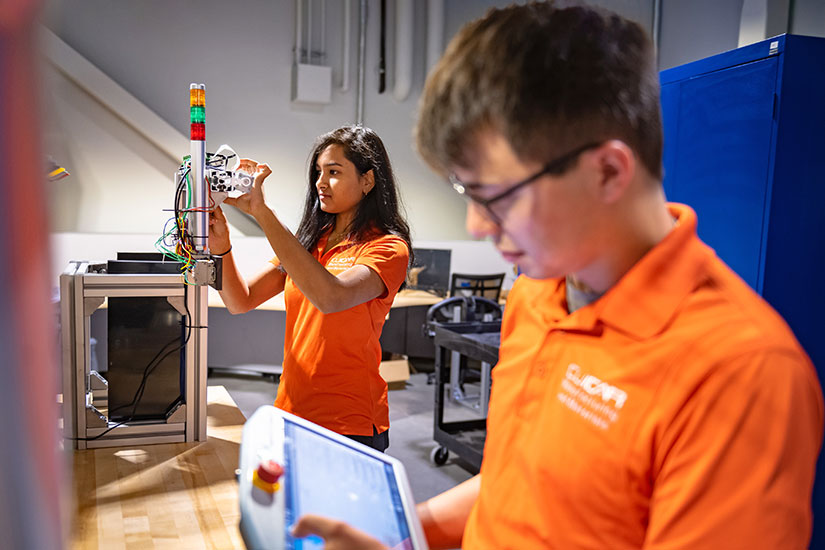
x,y
197,151
210,183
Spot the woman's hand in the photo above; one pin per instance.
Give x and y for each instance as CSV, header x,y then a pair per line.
x,y
252,202
218,232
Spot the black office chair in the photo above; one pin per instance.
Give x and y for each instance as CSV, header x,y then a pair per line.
x,y
485,286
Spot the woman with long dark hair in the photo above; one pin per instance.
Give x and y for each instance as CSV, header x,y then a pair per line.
x,y
339,275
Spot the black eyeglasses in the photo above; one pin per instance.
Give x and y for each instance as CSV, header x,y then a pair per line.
x,y
556,166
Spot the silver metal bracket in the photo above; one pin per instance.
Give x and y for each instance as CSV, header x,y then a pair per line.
x,y
99,390
203,273
177,415
179,303
90,305
97,382
94,418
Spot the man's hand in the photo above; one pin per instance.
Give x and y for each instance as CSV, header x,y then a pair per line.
x,y
337,535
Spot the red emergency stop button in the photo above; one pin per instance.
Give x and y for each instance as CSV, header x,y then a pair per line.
x,y
270,471
267,475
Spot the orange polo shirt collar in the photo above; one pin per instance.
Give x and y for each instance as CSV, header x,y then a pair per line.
x,y
652,289
655,287
322,242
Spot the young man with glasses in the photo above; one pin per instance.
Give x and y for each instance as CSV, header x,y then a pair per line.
x,y
644,397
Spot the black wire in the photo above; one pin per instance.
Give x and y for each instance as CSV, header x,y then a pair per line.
x,y
146,372
178,197
148,366
142,386
183,236
211,158
223,159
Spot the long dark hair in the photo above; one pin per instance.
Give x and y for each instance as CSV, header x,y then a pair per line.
x,y
379,211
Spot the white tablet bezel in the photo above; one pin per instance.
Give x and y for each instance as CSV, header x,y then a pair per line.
x,y
252,444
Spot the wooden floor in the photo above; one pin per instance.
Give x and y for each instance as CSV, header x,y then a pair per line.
x,y
179,495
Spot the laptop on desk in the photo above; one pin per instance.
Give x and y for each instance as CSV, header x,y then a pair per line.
x,y
290,467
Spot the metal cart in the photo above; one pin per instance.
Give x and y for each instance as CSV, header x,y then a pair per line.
x,y
456,341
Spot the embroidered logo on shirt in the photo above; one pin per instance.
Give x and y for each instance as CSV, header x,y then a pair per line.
x,y
340,263
594,400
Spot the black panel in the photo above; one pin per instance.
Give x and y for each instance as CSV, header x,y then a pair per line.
x,y
143,256
146,338
435,275
137,266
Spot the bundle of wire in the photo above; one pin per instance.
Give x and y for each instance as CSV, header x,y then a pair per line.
x,y
176,241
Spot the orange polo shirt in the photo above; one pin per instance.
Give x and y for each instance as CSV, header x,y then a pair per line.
x,y
330,371
677,411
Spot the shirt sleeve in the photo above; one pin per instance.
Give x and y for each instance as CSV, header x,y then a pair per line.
x,y
735,469
388,256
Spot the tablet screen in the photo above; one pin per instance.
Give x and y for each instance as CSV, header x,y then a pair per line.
x,y
336,481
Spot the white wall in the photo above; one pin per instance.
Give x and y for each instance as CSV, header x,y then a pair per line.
x,y
694,29
242,51
808,17
121,182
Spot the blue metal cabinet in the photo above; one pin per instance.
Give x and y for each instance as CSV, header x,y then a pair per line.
x,y
745,147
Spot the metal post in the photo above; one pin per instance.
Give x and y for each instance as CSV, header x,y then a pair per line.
x,y
199,332
362,61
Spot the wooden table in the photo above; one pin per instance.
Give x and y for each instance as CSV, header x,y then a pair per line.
x,y
178,495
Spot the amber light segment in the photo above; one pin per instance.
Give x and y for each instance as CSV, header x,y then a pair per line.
x,y
197,97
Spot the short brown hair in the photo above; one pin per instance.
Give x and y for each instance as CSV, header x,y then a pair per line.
x,y
548,79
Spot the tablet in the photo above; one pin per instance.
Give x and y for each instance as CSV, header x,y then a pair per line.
x,y
290,467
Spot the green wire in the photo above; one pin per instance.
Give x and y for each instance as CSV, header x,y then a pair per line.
x,y
159,244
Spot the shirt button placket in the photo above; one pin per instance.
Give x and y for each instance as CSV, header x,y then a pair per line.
x,y
535,384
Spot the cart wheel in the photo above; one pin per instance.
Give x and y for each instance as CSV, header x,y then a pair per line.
x,y
439,455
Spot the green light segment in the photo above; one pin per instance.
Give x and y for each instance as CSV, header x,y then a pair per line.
x,y
197,114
